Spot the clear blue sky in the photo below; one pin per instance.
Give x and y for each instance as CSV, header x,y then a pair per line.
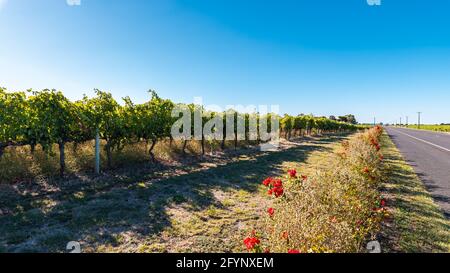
x,y
317,56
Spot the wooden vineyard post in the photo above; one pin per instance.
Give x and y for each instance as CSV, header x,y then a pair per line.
x,y
97,152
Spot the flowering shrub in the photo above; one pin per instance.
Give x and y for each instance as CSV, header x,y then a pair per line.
x,y
335,210
275,186
292,173
253,243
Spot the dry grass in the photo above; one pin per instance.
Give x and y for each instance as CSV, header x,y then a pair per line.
x,y
18,164
174,206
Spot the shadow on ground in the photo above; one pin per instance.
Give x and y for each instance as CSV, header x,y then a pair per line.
x,y
98,211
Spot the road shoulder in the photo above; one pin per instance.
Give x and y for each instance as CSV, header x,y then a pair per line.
x,y
417,224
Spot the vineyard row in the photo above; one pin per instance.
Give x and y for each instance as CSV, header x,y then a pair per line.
x,y
47,117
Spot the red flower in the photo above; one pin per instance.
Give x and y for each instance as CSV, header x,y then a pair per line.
x,y
374,142
304,177
294,251
278,191
366,170
285,235
276,187
278,183
270,211
251,242
292,173
268,181
267,251
383,203
381,157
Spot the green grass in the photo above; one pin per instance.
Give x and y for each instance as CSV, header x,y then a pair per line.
x,y
437,128
205,206
417,224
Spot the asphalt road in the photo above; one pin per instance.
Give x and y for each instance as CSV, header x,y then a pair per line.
x,y
429,154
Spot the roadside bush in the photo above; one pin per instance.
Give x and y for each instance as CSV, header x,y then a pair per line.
x,y
336,210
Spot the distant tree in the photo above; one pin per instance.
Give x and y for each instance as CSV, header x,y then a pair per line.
x,y
351,119
342,119
333,118
348,119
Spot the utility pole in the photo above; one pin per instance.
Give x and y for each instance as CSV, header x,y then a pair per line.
x,y
407,121
400,121
374,121
418,123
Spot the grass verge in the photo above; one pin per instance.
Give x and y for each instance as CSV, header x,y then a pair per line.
x,y
436,128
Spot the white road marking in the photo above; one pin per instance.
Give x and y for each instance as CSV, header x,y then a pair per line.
x,y
424,141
